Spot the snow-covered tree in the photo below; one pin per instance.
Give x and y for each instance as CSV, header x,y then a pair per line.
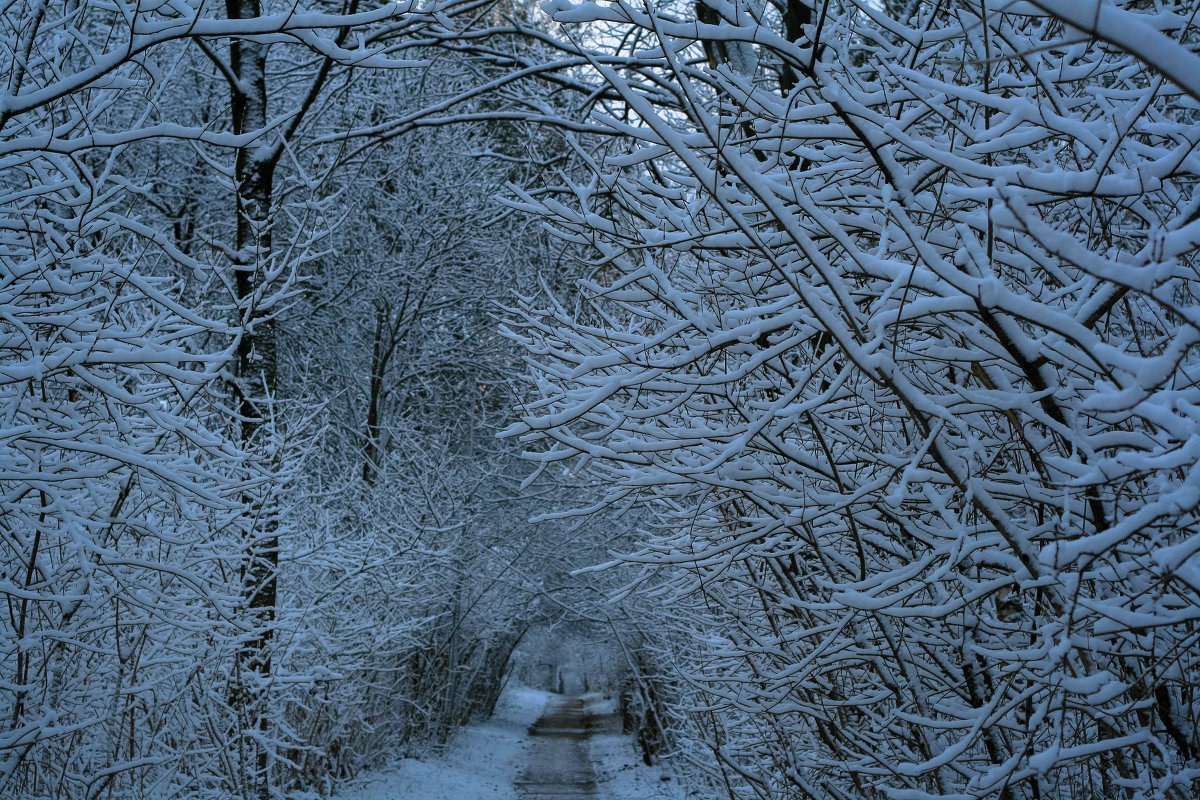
x,y
169,175
894,326
393,337
114,471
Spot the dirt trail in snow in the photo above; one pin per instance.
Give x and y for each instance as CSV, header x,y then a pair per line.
x,y
559,767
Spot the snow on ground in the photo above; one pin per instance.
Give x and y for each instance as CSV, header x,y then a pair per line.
x,y
479,764
482,761
620,773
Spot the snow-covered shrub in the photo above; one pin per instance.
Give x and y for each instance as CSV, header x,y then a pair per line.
x,y
114,491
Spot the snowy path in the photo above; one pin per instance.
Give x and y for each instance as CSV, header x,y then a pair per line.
x,y
539,746
559,765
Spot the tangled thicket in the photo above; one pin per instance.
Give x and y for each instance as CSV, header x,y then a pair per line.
x,y
894,323
255,530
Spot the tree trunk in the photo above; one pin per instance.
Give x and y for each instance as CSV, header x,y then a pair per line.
x,y
255,369
381,350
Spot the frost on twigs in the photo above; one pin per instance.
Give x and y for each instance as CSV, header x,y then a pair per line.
x,y
110,483
904,359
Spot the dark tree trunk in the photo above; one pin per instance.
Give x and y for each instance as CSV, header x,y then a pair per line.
x,y
371,446
387,335
796,14
255,372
